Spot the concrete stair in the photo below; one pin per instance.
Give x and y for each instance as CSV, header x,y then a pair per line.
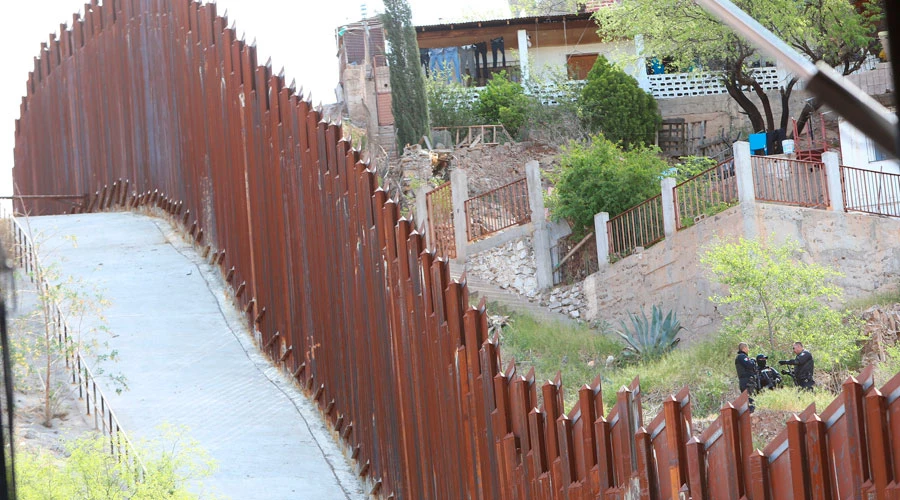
x,y
479,288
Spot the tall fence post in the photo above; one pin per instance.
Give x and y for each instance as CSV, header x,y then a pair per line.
x,y
422,215
743,172
541,238
668,205
459,186
602,236
833,180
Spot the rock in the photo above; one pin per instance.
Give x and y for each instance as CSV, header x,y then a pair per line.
x,y
575,314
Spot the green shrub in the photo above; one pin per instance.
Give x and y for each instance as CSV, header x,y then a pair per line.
x,y
651,337
503,101
91,472
600,177
614,104
691,166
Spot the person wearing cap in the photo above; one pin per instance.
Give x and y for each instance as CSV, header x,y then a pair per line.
x,y
768,377
746,372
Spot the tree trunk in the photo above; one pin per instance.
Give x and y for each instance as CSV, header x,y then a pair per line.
x,y
786,104
734,90
764,99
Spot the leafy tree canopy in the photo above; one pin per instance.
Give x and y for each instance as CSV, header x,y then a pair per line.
x,y
600,176
613,103
839,32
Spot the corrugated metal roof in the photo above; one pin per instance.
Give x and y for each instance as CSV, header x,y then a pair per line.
x,y
530,20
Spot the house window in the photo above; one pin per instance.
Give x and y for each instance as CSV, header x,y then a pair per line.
x,y
579,65
875,153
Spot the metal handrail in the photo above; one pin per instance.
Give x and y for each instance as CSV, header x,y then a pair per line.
x,y
720,189
639,226
120,445
793,182
511,207
870,192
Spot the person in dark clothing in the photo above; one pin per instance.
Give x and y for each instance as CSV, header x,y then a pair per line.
x,y
768,377
747,372
803,367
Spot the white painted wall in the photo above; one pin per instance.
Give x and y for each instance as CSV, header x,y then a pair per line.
x,y
554,58
855,151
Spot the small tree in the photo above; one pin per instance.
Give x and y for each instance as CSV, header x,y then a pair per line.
x,y
407,78
503,101
38,343
614,104
778,298
600,177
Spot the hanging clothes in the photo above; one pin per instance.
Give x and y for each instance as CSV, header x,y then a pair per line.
x,y
446,60
497,44
425,60
467,61
481,52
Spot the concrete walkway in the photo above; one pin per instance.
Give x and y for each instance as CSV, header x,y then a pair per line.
x,y
189,360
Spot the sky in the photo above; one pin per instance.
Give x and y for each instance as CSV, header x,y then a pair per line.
x,y
297,34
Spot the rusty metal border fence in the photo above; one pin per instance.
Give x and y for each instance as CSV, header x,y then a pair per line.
x,y
497,209
792,182
96,403
345,297
639,226
870,191
441,232
707,193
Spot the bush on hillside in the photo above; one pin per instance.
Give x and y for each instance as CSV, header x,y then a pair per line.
x,y
503,101
614,104
598,176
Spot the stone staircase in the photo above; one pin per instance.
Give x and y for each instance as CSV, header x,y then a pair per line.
x,y
479,288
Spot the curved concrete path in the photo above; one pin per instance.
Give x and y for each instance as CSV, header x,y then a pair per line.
x,y
190,360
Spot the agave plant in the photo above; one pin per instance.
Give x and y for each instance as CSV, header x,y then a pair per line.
x,y
653,337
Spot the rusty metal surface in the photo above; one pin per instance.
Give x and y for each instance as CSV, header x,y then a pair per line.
x,y
156,106
639,226
497,209
792,182
707,193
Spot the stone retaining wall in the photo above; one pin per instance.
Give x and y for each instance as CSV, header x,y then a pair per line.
x,y
863,248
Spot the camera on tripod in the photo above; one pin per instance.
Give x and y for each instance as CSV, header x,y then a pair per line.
x,y
767,377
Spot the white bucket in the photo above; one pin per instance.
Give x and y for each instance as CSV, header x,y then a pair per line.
x,y
787,146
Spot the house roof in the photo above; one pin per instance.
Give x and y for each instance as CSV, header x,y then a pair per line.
x,y
514,21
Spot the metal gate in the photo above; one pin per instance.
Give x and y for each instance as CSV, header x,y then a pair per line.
x,y
440,220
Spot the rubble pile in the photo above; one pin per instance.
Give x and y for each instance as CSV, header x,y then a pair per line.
x,y
881,328
487,167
